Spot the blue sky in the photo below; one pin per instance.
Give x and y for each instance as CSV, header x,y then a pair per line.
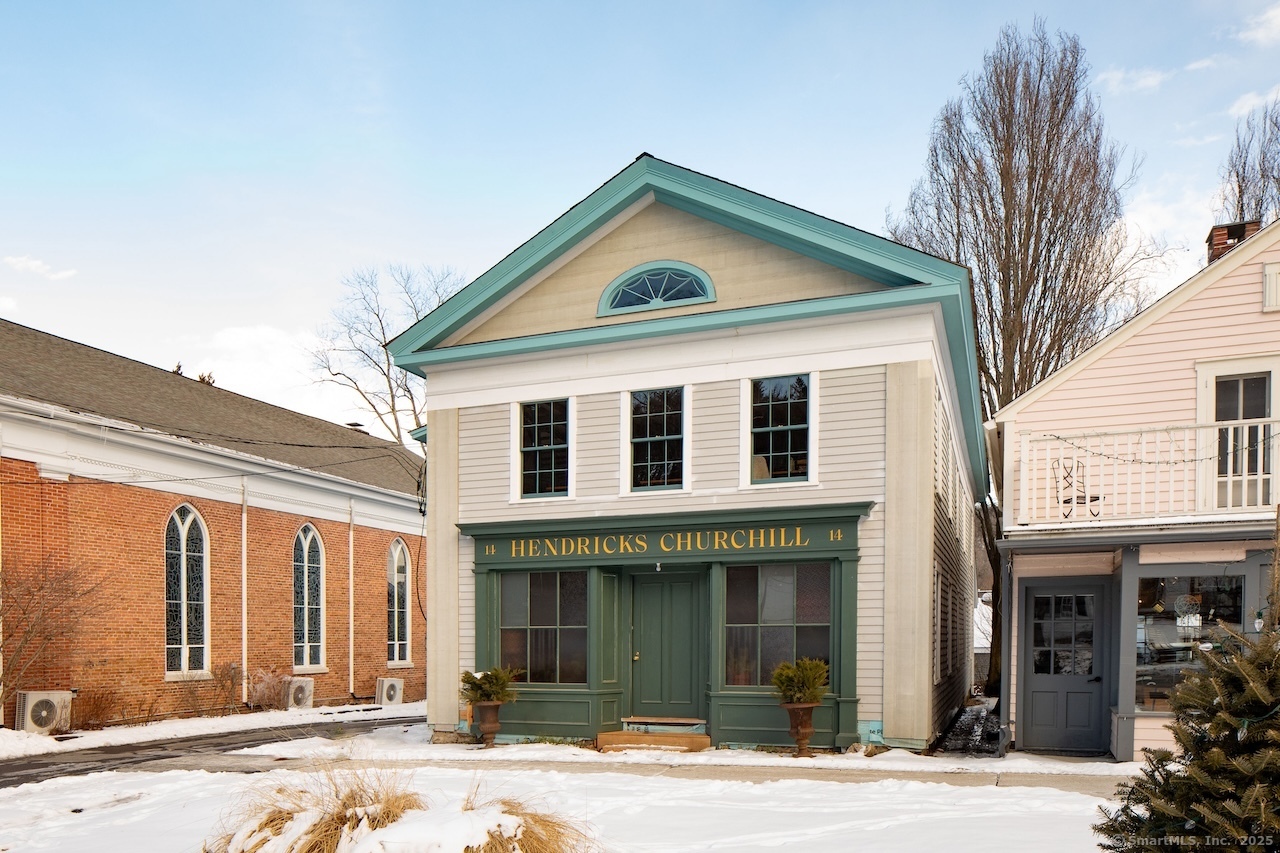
x,y
191,181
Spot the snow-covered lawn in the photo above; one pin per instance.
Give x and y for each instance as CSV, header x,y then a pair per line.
x,y
179,810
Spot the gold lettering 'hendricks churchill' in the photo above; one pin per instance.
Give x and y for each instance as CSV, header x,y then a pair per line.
x,y
672,542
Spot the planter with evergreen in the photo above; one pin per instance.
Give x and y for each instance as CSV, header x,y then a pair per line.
x,y
800,687
486,692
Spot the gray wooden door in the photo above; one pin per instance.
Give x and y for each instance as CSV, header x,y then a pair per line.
x,y
1061,706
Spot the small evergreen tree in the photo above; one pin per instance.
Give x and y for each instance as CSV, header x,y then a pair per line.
x,y
1221,789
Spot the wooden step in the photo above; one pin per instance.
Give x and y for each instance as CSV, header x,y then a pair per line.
x,y
665,741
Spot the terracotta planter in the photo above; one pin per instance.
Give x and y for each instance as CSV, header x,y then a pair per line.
x,y
486,717
801,715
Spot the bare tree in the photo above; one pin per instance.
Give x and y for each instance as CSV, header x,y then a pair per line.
x,y
1023,186
374,309
42,606
1250,186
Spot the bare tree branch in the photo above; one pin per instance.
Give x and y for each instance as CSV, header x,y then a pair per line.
x,y
42,607
1250,187
374,309
1023,186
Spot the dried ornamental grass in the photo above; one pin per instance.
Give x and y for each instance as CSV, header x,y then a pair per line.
x,y
538,832
327,813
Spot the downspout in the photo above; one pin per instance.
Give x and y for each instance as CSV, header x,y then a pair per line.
x,y
1006,645
244,590
351,596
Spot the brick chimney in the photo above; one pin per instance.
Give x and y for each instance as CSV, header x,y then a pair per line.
x,y
1224,238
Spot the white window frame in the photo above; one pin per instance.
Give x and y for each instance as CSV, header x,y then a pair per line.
x,y
206,672
744,434
398,548
624,443
322,667
1208,371
517,495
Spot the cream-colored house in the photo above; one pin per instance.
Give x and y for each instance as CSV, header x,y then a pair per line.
x,y
686,432
1139,505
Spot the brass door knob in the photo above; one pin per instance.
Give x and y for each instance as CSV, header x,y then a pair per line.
x,y
636,656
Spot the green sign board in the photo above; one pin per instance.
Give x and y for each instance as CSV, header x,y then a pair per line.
x,y
718,542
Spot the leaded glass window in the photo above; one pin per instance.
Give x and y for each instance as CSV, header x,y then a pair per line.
x,y
780,428
308,598
775,613
544,448
398,602
543,625
657,438
186,580
656,286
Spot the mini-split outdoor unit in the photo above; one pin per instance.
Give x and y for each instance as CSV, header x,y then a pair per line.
x,y
299,692
43,711
390,691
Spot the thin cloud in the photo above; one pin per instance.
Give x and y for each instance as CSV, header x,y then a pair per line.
x,y
1197,141
1117,81
26,263
1250,101
1263,30
1201,64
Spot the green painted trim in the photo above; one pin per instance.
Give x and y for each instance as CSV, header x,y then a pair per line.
x,y
799,230
419,434
603,309
953,300
754,515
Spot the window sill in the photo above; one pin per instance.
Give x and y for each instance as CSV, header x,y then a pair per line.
x,y
399,664
311,670
190,675
780,484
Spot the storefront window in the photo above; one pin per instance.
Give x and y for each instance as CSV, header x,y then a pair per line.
x,y
1175,616
543,626
775,613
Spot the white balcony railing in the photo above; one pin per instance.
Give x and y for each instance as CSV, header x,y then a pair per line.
x,y
1082,478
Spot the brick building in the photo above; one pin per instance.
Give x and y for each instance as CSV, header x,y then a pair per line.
x,y
220,537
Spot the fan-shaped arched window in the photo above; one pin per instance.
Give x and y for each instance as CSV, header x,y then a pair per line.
x,y
398,603
308,598
651,286
186,591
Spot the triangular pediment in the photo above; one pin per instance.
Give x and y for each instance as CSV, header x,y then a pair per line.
x,y
639,213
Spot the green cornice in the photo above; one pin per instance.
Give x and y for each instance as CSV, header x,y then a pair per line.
x,y
913,279
643,523
799,230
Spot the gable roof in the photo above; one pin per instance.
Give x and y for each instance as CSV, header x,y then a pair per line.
x,y
911,278
1244,253
44,368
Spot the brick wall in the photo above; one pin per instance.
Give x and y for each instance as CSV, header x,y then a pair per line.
x,y
114,535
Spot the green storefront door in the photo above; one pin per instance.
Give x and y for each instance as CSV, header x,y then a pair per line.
x,y
669,662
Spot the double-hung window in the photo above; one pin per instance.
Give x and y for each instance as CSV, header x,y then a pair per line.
x,y
544,448
186,584
657,439
1244,449
780,420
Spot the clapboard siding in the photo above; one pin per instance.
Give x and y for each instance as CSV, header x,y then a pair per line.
x,y
744,271
1149,379
870,617
850,443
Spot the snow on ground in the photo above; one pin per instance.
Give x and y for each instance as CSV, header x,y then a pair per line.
x,y
629,813
177,810
14,744
410,743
